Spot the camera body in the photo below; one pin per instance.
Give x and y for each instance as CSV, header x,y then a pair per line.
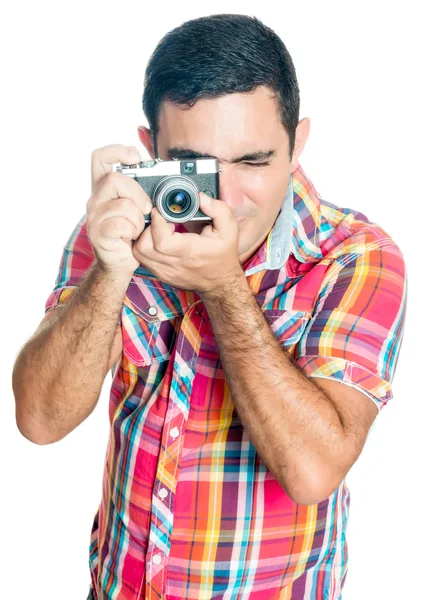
x,y
173,186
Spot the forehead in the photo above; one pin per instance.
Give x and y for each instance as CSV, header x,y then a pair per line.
x,y
233,118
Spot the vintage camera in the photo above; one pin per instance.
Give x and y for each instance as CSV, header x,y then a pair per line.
x,y
173,186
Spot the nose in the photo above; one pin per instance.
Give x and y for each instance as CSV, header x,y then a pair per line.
x,y
230,190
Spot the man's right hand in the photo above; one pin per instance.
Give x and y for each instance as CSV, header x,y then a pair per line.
x,y
116,209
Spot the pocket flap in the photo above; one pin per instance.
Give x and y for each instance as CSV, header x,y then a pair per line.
x,y
150,321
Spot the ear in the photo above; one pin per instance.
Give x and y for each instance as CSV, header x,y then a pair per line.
x,y
302,133
145,136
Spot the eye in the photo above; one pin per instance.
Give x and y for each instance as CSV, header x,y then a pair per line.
x,y
263,164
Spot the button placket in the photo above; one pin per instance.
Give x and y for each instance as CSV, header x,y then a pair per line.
x,y
163,492
160,529
168,468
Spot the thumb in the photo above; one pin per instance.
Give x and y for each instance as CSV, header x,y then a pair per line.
x,y
222,216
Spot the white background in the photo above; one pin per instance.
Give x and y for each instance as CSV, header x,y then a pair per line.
x,y
72,79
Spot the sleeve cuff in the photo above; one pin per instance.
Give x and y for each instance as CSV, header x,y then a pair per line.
x,y
59,296
328,367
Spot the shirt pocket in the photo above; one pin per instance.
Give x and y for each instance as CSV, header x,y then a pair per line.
x,y
287,326
150,319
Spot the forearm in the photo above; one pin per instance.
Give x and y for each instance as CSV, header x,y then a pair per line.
x,y
290,421
59,373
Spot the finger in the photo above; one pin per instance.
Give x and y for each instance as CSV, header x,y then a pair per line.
x,y
114,228
119,186
102,160
145,251
165,239
223,218
116,209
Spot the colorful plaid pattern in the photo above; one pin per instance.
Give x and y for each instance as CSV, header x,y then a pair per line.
x,y
188,508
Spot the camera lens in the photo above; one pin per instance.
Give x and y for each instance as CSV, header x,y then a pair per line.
x,y
177,201
176,198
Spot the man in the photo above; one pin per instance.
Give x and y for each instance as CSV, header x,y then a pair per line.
x,y
252,354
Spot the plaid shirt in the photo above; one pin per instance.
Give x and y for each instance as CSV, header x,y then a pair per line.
x,y
188,508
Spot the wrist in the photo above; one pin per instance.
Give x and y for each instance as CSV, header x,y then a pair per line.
x,y
232,280
120,276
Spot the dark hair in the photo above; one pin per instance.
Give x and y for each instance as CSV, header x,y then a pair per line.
x,y
216,55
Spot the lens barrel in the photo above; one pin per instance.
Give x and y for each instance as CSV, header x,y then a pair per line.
x,y
177,198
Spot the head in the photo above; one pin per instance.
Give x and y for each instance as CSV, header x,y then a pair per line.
x,y
225,86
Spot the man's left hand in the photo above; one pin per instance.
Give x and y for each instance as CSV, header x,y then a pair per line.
x,y
200,262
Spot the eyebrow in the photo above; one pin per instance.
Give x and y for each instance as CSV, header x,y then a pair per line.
x,y
181,152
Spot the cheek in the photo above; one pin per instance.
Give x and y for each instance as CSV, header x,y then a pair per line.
x,y
263,191
259,206
262,187
253,179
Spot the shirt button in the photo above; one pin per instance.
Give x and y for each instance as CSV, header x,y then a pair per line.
x,y
174,433
153,310
157,558
163,493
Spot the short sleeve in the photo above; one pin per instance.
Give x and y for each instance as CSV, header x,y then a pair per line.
x,y
77,257
356,330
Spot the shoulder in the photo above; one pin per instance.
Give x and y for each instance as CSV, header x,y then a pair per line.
x,y
347,234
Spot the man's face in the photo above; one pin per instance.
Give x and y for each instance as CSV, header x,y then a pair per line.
x,y
228,128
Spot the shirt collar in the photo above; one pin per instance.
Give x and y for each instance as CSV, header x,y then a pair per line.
x,y
296,229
